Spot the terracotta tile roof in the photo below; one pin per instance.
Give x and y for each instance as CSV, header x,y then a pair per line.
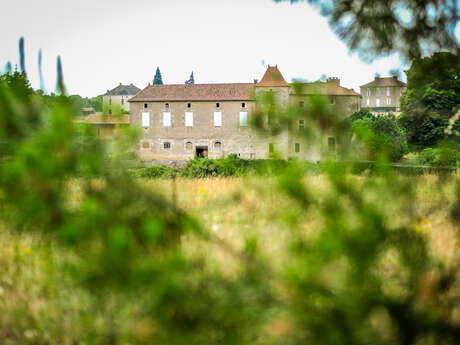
x,y
325,88
386,81
272,77
123,90
195,92
106,119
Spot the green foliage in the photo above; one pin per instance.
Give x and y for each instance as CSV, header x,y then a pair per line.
x,y
360,115
356,275
158,80
156,171
381,135
432,97
442,156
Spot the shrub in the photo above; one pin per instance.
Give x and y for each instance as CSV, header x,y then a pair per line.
x,y
439,157
381,135
156,171
199,168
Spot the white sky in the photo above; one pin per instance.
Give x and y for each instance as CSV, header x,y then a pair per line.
x,y
105,42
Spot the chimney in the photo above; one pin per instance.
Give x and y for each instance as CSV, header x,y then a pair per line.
x,y
334,80
255,81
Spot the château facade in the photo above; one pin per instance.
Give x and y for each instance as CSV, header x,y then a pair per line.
x,y
182,121
117,99
382,94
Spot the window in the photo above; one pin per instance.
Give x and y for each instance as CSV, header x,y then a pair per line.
x,y
166,119
368,92
301,124
243,118
167,105
189,105
297,147
271,148
388,91
243,105
188,119
166,145
331,144
188,145
377,102
388,100
122,100
217,119
217,145
145,105
368,101
146,119
301,104
217,105
332,100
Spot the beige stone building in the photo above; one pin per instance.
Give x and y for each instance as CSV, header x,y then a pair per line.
x,y
382,94
116,100
179,122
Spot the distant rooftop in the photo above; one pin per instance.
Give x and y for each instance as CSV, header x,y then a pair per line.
x,y
272,77
330,87
385,81
123,90
195,92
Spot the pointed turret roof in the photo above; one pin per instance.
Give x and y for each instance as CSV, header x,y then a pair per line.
x,y
272,77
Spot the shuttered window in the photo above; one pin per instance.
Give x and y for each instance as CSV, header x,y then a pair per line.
x,y
243,118
188,119
217,119
166,119
146,119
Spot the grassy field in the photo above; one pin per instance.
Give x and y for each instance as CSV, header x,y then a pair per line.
x,y
40,304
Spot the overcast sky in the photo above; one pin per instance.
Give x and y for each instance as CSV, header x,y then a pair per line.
x,y
105,42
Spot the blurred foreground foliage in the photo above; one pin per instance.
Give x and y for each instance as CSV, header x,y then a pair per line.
x,y
354,276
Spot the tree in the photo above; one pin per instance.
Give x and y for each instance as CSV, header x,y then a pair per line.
x,y
381,135
8,68
431,98
191,80
158,80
